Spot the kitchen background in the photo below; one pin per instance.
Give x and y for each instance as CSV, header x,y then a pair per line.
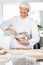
x,y
10,8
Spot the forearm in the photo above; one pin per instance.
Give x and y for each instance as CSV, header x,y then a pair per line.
x,y
34,41
11,31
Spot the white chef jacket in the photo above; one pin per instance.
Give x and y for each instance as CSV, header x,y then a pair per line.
x,y
21,25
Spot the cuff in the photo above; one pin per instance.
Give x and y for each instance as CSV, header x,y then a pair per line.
x,y
3,27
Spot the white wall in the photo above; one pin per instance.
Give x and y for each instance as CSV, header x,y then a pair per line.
x,y
1,12
20,0
3,40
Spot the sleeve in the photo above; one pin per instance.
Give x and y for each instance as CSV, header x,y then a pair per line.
x,y
7,24
35,34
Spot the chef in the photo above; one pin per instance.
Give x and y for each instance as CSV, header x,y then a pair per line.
x,y
22,23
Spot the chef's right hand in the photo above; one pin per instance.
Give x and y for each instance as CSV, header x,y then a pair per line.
x,y
1,48
11,31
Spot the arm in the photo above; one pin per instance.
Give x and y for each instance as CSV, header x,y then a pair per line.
x,y
35,34
5,26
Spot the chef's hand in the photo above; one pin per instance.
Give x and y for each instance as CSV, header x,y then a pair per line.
x,y
1,48
23,42
11,31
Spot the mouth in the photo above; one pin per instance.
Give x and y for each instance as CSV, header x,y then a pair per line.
x,y
23,14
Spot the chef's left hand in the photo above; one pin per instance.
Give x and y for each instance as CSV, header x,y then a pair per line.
x,y
23,42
